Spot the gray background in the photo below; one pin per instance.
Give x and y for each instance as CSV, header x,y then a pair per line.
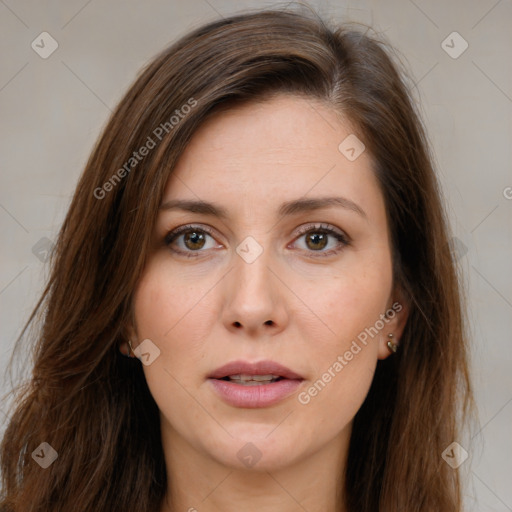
x,y
52,111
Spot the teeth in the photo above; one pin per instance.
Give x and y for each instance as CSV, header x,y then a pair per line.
x,y
252,380
260,378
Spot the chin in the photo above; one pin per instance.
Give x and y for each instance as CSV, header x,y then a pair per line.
x,y
257,448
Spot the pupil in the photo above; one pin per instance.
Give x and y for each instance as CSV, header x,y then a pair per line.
x,y
317,238
194,240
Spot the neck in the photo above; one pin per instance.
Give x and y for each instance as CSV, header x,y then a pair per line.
x,y
198,483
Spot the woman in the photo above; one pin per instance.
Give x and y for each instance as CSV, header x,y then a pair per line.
x,y
253,304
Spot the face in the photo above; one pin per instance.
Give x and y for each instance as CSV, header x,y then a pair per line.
x,y
271,255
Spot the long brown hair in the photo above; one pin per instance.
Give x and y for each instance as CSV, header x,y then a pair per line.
x,y
93,406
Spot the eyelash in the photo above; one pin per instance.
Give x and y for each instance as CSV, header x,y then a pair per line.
x,y
303,230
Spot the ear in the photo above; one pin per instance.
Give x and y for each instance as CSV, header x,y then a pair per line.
x,y
128,333
397,313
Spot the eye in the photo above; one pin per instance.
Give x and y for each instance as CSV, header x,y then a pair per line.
x,y
322,239
190,239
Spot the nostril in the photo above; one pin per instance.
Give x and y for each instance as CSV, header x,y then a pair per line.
x,y
268,322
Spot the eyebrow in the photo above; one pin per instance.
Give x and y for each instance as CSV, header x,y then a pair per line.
x,y
286,209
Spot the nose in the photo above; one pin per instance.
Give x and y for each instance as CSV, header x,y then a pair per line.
x,y
255,301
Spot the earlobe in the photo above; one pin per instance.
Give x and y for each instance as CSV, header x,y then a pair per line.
x,y
125,348
397,316
392,346
388,346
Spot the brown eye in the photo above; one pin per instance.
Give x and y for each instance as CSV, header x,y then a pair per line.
x,y
316,241
321,240
191,240
194,240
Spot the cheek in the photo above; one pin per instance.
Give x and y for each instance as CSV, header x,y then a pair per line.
x,y
166,300
342,365
327,311
345,310
176,314
344,304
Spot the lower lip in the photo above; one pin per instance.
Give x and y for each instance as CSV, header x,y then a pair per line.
x,y
252,397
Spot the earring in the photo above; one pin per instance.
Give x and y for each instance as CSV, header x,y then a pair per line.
x,y
130,350
393,347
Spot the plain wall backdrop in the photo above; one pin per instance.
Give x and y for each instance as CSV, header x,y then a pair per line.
x,y
53,106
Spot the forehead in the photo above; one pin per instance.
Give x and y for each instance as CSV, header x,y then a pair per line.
x,y
271,151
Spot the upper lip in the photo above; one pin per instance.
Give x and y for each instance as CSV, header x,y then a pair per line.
x,y
257,368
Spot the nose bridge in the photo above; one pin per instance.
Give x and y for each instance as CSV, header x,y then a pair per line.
x,y
251,272
253,299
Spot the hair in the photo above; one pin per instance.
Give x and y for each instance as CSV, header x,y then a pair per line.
x,y
93,406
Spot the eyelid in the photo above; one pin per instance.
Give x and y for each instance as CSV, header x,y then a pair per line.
x,y
342,238
174,233
321,226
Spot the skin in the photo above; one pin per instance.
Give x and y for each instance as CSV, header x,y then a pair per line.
x,y
289,305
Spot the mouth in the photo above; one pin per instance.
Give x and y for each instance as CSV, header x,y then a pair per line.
x,y
252,380
252,385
